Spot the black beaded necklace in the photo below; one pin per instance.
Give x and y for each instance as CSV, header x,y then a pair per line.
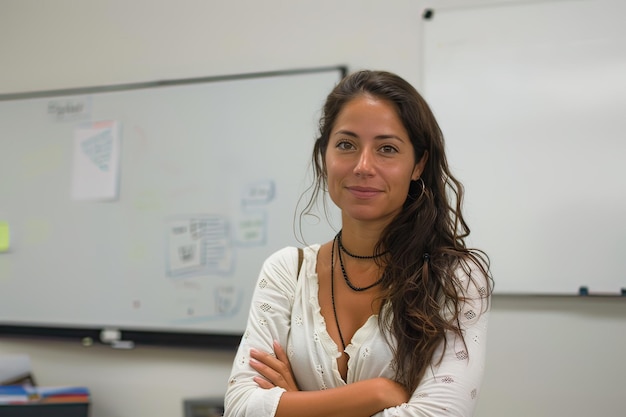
x,y
345,275
332,293
344,250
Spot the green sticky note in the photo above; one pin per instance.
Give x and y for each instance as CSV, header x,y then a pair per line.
x,y
4,237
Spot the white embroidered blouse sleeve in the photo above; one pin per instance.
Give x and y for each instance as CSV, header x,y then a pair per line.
x,y
269,319
451,388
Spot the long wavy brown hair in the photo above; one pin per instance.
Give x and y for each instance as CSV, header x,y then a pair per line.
x,y
425,243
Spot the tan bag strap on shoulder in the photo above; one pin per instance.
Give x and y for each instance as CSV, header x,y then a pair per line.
x,y
300,258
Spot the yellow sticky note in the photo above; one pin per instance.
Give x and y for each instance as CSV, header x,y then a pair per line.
x,y
4,237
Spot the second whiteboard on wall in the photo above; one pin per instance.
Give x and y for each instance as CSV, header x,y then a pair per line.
x,y
531,100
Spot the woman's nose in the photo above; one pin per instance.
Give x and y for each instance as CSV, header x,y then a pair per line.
x,y
365,163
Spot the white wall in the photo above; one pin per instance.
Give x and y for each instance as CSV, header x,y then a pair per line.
x,y
547,356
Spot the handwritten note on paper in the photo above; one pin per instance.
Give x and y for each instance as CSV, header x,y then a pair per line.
x,y
258,193
198,246
96,161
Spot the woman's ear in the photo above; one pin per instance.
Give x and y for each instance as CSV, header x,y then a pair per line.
x,y
419,167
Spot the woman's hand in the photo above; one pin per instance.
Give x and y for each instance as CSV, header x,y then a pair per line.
x,y
275,370
392,394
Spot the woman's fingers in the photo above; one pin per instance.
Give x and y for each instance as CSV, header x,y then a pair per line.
x,y
263,383
266,365
287,372
275,370
280,353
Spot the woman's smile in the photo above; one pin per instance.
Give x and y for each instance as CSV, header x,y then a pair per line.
x,y
364,192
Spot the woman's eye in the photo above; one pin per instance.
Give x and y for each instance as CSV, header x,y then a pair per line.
x,y
388,149
344,145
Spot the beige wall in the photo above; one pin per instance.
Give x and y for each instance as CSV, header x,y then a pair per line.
x,y
548,356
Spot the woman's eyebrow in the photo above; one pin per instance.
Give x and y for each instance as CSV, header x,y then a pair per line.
x,y
347,133
380,137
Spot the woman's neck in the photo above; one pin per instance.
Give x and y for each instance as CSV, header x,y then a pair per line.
x,y
360,240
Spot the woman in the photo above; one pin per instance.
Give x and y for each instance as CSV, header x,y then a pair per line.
x,y
389,317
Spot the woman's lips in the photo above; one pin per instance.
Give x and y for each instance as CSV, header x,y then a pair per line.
x,y
363,192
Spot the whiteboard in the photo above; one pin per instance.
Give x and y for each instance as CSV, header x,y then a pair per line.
x,y
531,98
193,183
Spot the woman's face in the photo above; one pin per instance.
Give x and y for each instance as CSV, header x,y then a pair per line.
x,y
370,161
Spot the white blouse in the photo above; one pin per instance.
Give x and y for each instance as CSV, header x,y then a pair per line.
x,y
286,308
